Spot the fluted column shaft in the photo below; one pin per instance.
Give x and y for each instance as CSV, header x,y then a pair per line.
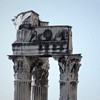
x,y
69,67
22,82
40,79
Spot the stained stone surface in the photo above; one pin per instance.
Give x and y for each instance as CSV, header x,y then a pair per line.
x,y
69,67
35,42
42,41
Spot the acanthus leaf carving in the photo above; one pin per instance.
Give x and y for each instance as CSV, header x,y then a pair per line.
x,y
40,71
21,68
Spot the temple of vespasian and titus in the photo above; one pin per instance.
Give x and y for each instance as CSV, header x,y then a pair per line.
x,y
35,42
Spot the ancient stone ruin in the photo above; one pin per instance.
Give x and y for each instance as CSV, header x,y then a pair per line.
x,y
35,42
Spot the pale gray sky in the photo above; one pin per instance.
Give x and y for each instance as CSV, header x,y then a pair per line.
x,y
83,15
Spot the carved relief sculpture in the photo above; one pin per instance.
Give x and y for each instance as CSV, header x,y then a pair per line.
x,y
35,42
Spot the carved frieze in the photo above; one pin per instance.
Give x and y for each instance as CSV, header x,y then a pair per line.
x,y
35,42
48,41
46,33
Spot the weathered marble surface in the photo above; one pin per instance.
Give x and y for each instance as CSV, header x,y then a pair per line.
x,y
69,67
35,42
43,40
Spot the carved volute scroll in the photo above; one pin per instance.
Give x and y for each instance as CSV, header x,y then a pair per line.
x,y
69,67
35,42
40,67
22,75
21,68
40,71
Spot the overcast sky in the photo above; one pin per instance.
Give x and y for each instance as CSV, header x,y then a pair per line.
x,y
82,15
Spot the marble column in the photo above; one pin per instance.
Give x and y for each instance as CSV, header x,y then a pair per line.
x,y
40,79
22,82
69,67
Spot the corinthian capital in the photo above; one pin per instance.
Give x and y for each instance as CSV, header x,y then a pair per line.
x,y
73,62
40,71
21,68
